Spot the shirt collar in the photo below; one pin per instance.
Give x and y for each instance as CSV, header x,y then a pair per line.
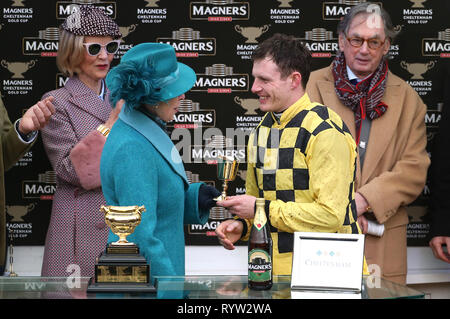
x,y
102,92
352,76
302,103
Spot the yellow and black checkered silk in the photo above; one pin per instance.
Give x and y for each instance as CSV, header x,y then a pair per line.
x,y
304,165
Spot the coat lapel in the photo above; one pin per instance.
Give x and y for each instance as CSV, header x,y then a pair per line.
x,y
155,135
382,129
86,99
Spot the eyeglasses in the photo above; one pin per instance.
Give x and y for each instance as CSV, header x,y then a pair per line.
x,y
94,49
372,43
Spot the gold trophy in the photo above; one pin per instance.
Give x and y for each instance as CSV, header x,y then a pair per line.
x,y
122,220
121,268
227,169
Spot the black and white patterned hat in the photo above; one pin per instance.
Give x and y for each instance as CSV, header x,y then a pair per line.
x,y
91,21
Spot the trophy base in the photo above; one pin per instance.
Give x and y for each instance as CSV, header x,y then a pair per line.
x,y
122,249
120,287
121,270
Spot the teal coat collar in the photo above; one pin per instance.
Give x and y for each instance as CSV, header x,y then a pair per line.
x,y
155,135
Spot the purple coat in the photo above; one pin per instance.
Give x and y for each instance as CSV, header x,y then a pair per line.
x,y
77,232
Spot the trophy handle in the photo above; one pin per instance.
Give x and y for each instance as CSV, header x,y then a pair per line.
x,y
404,65
141,209
132,27
31,64
104,209
430,65
238,28
30,207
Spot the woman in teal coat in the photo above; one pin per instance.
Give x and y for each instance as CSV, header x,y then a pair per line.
x,y
141,166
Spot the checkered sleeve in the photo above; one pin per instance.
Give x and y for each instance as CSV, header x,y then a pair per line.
x,y
330,162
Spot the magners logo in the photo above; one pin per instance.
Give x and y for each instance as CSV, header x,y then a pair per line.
x,y
45,44
214,148
191,116
320,43
219,10
187,42
66,8
220,78
44,188
439,46
61,80
217,147
337,10
432,118
259,265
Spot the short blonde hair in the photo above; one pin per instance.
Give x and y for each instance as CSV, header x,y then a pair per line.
x,y
70,52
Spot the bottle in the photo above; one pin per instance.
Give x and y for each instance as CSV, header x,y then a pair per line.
x,y
260,251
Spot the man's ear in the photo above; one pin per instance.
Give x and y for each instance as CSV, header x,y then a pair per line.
x,y
341,42
386,46
296,80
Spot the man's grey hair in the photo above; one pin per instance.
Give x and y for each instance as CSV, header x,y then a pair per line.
x,y
367,8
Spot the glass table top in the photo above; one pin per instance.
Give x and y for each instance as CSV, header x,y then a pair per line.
x,y
194,287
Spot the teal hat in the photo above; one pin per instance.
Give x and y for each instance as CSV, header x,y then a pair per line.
x,y
149,73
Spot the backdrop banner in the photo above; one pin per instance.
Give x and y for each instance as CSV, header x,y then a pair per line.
x,y
216,38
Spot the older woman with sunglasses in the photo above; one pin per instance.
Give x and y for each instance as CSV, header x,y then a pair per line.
x,y
74,140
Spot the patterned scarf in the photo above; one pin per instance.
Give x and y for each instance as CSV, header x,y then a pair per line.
x,y
154,117
363,98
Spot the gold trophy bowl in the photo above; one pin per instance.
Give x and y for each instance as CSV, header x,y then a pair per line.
x,y
122,220
227,169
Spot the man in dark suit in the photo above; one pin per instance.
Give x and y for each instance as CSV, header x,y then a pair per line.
x,y
440,172
15,140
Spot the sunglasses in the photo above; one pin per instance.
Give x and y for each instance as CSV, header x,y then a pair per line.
x,y
94,49
372,43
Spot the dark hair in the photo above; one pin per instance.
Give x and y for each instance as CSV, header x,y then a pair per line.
x,y
367,8
288,53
